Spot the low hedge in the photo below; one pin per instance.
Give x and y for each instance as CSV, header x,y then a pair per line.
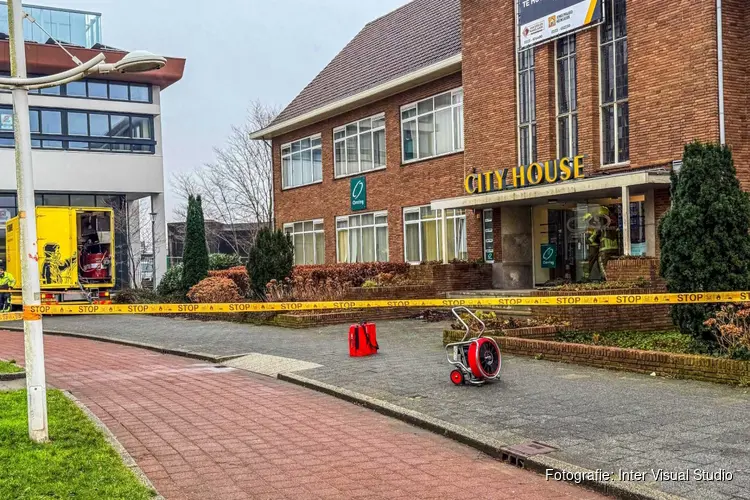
x,y
352,274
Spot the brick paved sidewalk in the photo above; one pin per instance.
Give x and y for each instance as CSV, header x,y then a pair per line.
x,y
202,432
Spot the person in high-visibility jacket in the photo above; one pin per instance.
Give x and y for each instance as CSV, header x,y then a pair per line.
x,y
6,281
593,240
610,248
602,240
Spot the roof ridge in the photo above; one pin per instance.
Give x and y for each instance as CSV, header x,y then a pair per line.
x,y
406,39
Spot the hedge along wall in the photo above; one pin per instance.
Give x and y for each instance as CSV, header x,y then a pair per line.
x,y
726,371
608,318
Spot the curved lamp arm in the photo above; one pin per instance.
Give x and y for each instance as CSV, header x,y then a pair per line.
x,y
53,80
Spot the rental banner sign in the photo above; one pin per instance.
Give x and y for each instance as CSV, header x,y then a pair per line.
x,y
549,172
543,20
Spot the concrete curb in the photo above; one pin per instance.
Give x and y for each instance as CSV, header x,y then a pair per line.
x,y
127,459
162,350
492,447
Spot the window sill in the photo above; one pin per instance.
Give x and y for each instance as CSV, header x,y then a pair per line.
x,y
301,185
358,173
616,165
419,160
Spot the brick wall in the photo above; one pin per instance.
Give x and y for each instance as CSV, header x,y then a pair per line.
x,y
451,277
641,318
392,189
737,84
673,83
632,270
391,292
307,320
726,371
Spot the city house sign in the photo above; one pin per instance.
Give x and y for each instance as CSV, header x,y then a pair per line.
x,y
549,172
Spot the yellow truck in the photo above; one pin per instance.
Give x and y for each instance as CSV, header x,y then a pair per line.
x,y
76,255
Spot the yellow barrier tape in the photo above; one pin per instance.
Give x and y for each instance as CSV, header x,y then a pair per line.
x,y
11,316
572,300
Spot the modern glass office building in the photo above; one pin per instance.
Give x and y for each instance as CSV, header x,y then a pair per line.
x,y
76,27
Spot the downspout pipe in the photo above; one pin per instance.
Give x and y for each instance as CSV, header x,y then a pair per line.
x,y
720,54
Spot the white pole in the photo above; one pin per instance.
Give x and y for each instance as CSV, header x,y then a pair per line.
x,y
626,246
36,385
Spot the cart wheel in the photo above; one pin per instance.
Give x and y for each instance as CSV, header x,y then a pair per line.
x,y
457,377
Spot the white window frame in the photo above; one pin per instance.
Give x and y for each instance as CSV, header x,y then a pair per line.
x,y
358,135
317,233
617,102
457,101
530,124
285,180
375,225
570,114
456,214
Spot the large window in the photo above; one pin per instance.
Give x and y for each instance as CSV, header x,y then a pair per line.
x,y
301,162
423,234
359,146
309,241
527,107
362,238
97,89
613,54
433,126
82,130
567,102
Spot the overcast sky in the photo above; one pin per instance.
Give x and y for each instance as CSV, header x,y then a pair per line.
x,y
236,51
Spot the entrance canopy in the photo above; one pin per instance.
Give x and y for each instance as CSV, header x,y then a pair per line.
x,y
602,186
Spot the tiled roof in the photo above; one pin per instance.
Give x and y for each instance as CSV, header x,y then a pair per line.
x,y
421,33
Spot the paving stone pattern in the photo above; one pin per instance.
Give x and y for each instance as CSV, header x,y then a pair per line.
x,y
198,432
597,418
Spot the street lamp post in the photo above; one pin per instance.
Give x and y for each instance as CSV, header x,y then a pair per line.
x,y
19,84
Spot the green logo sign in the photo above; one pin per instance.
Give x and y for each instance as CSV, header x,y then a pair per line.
x,y
489,256
358,192
549,256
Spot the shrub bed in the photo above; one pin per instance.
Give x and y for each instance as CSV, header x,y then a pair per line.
x,y
214,290
238,275
668,341
352,274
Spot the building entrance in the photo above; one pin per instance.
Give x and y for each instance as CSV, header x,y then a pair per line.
x,y
572,242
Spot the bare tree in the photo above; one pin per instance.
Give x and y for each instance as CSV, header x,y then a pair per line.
x,y
237,186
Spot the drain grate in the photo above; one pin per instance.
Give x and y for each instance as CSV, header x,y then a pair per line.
x,y
517,454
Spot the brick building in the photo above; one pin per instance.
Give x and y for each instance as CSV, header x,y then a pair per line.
x,y
435,135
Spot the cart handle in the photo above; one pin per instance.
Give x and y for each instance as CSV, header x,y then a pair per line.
x,y
468,330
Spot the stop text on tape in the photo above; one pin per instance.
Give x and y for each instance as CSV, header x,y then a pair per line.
x,y
243,307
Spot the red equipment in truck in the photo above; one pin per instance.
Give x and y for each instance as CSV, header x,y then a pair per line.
x,y
363,339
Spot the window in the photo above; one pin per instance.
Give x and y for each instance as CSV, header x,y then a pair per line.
x,y
433,127
362,238
489,236
83,130
423,234
301,162
97,89
567,102
359,146
309,241
613,60
527,107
